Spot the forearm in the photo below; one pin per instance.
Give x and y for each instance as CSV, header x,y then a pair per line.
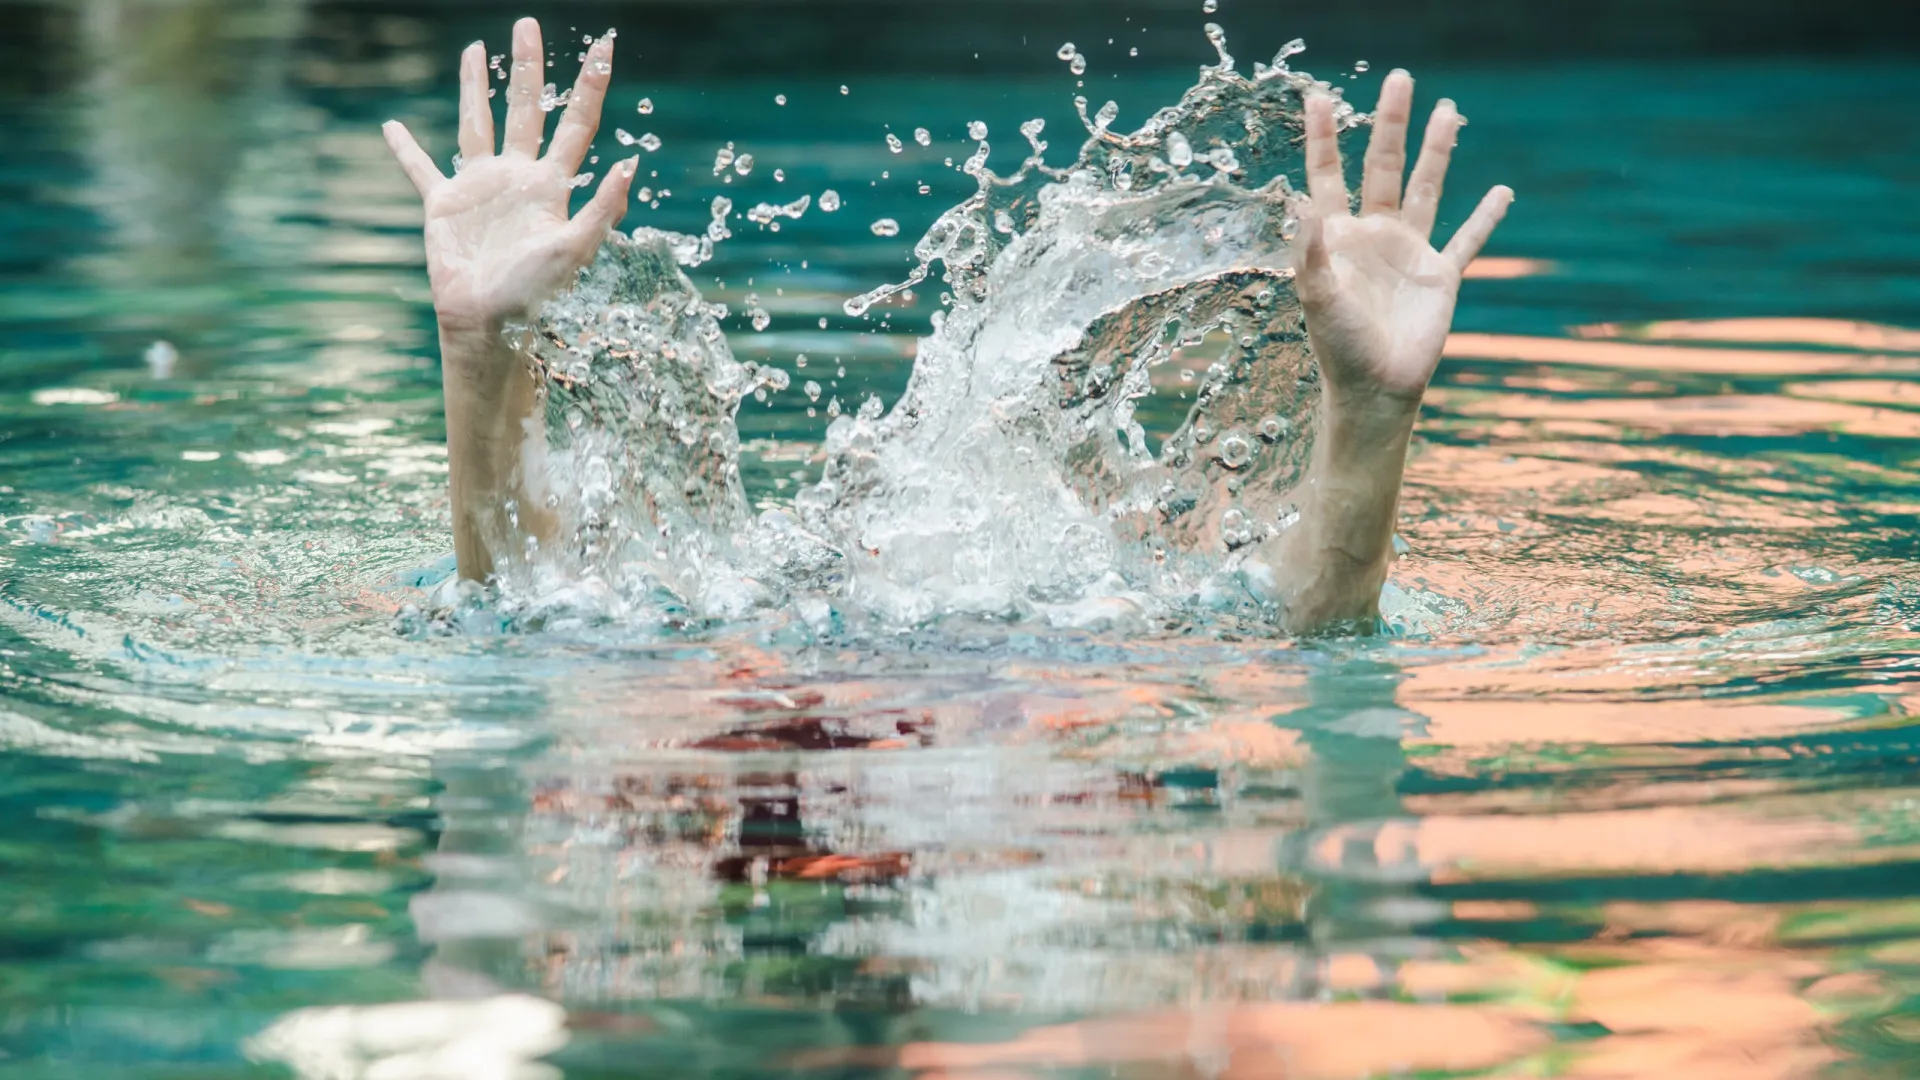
x,y
494,433
1327,569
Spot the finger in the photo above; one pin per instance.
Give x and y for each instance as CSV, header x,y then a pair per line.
x,y
1325,182
589,227
1466,244
1387,150
577,125
413,161
525,122
476,112
1430,172
1312,265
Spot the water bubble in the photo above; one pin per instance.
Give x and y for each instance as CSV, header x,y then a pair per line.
x,y
893,143
1235,450
646,106
649,142
623,137
1179,150
1002,221
743,164
886,226
829,201
1361,66
1236,528
812,389
923,136
976,130
779,99
1273,427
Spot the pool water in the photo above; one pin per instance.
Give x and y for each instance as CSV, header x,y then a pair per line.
x,y
1632,791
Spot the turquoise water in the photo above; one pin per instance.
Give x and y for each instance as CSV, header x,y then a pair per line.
x,y
1632,792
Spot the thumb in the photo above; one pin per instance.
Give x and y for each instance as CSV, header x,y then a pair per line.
x,y
589,228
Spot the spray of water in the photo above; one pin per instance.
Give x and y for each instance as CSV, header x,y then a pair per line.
x,y
1016,477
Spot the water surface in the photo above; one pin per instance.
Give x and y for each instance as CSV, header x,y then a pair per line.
x,y
1631,792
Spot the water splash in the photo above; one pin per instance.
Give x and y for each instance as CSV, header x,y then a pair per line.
x,y
1110,413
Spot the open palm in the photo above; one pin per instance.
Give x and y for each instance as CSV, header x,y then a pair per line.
x,y
1378,297
499,241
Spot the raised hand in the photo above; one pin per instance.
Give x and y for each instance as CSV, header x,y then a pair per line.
x,y
1379,299
499,242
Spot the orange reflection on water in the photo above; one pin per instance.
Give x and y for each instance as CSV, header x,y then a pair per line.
x,y
1667,358
1730,414
1839,333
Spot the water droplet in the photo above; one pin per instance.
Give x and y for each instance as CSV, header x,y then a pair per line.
x,y
779,176
1361,66
977,130
812,389
582,180
649,142
551,99
1179,150
646,106
779,99
833,407
1235,450
1067,51
623,137
800,361
886,226
645,194
893,143
761,319
844,91
743,164
1002,221
1210,6
829,201
1078,65
1135,51
722,159
923,136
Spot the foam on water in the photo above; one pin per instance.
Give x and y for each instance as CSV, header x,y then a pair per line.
x,y
1016,477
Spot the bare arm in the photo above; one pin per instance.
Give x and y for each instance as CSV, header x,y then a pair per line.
x,y
499,244
1379,302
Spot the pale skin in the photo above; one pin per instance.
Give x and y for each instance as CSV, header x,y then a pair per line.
x,y
1378,297
1379,302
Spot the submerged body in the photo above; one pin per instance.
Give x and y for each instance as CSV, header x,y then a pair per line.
x,y
1278,494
